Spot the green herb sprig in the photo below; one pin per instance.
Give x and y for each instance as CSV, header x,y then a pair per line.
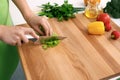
x,y
63,12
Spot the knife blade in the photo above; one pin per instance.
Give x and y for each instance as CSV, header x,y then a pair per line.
x,y
43,38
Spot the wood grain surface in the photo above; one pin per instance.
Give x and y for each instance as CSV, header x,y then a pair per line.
x,y
80,56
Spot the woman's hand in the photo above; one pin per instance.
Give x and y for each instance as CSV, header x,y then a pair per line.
x,y
36,21
14,35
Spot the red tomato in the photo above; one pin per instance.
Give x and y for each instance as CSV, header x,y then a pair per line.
x,y
104,17
108,27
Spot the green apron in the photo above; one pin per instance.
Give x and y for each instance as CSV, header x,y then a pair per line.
x,y
8,54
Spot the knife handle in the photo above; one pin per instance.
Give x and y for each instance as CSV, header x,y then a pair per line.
x,y
32,39
29,37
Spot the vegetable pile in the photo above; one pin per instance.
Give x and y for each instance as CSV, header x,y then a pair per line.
x,y
49,42
101,25
113,8
63,12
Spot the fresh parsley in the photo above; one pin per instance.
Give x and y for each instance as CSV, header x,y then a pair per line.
x,y
63,12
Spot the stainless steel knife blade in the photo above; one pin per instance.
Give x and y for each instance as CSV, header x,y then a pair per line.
x,y
43,37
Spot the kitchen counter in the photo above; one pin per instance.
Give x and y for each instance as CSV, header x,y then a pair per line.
x,y
80,56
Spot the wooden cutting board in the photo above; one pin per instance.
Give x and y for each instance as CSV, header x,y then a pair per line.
x,y
79,57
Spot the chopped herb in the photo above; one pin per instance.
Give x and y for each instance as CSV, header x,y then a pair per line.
x,y
50,42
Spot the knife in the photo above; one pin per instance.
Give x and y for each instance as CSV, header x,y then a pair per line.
x,y
43,38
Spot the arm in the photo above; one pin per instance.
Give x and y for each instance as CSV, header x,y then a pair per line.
x,y
24,8
34,21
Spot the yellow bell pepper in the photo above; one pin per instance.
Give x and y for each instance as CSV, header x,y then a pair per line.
x,y
96,27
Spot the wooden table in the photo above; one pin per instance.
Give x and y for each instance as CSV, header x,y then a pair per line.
x,y
79,57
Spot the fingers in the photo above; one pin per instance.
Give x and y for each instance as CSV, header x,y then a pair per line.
x,y
18,43
21,35
28,31
36,28
15,41
23,38
32,33
44,24
47,27
12,43
50,29
36,21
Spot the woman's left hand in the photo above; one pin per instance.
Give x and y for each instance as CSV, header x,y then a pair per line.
x,y
36,21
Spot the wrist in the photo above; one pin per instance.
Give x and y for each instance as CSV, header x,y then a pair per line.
x,y
28,17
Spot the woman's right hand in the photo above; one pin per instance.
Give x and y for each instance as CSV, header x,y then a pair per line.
x,y
14,35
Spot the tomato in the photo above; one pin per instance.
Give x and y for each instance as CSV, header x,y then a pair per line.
x,y
108,27
104,17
